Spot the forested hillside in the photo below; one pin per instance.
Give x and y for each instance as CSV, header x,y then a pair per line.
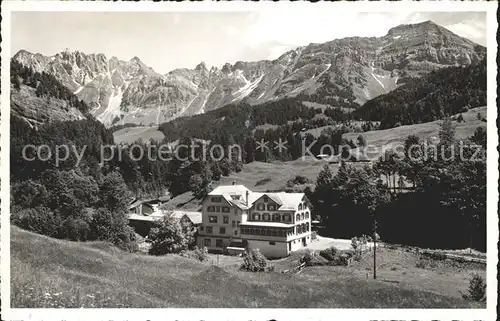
x,y
44,85
443,92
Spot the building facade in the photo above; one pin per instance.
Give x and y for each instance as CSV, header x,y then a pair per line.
x,y
235,217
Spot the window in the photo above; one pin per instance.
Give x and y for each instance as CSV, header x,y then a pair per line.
x,y
265,216
218,243
218,209
300,207
211,209
276,217
216,199
235,197
201,228
222,230
271,207
238,224
261,207
225,219
304,206
225,209
256,217
297,217
212,219
266,199
285,218
272,243
236,232
302,216
209,229
307,215
233,223
208,242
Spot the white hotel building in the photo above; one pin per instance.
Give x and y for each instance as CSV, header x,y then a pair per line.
x,y
233,217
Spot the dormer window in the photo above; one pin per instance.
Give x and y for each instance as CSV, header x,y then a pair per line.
x,y
236,197
216,199
266,199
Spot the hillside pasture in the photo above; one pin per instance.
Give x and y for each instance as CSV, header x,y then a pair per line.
x,y
54,273
130,135
397,135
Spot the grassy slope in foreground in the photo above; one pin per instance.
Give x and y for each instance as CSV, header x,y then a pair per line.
x,y
55,273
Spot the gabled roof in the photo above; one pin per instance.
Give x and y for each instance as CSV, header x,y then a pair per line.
x,y
194,217
286,201
230,190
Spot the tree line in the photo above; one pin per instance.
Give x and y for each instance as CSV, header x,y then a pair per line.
x,y
442,92
85,197
44,84
444,206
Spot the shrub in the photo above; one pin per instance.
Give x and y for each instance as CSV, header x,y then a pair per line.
x,y
435,255
263,181
361,141
343,259
309,257
254,261
331,253
197,253
170,235
76,229
477,288
39,220
355,243
423,263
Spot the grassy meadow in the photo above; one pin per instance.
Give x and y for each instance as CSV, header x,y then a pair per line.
x,y
47,272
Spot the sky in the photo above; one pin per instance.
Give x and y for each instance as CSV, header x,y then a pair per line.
x,y
166,41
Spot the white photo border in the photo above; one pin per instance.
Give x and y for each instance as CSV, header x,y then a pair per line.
x,y
489,313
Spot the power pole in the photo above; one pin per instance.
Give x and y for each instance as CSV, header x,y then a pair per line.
x,y
374,248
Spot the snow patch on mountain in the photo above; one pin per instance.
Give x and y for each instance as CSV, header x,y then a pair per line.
x,y
113,108
202,108
246,89
78,90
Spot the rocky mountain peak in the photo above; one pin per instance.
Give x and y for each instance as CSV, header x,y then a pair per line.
x,y
201,67
227,68
342,72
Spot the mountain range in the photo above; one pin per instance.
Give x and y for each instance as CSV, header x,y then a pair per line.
x,y
345,72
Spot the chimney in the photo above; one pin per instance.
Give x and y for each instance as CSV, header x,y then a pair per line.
x,y
246,200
